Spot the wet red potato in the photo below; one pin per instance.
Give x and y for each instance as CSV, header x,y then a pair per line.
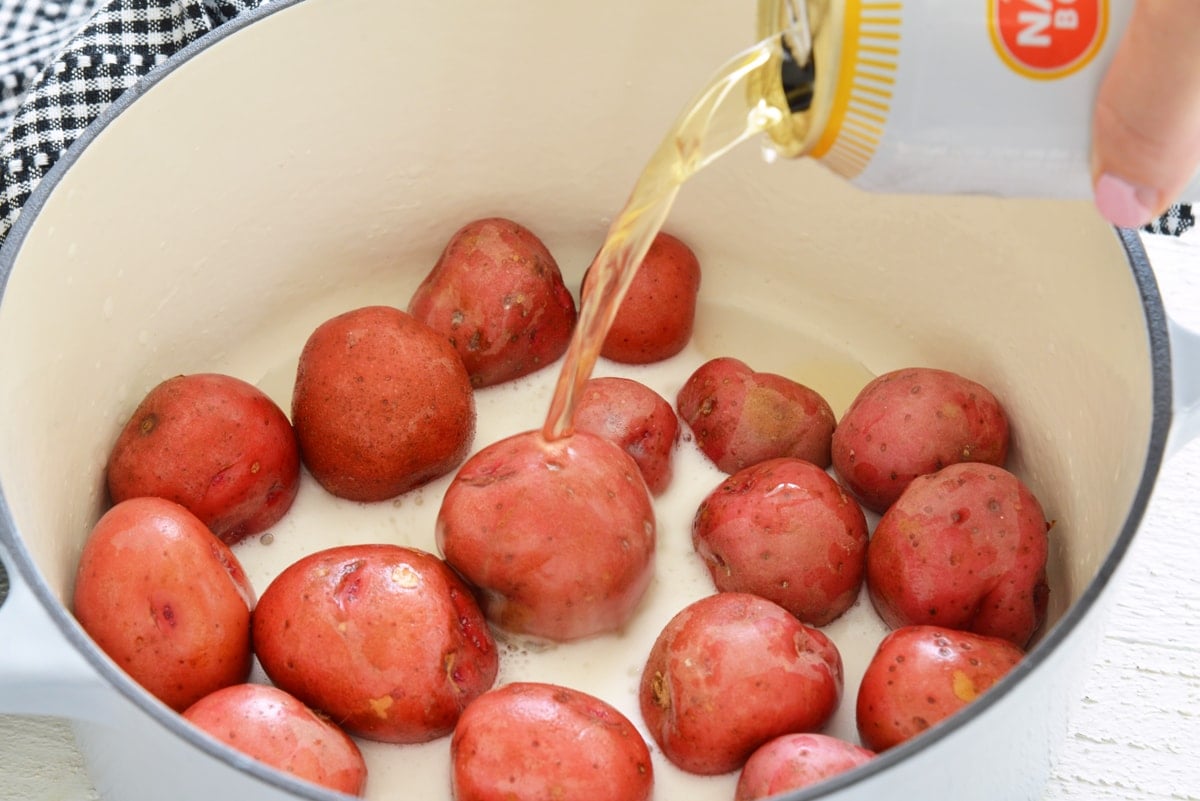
x,y
273,727
921,675
167,600
636,418
912,422
730,672
655,319
740,417
381,405
496,294
386,640
964,547
535,740
794,761
214,444
784,530
559,536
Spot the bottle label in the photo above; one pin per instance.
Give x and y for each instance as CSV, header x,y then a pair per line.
x,y
1047,39
923,102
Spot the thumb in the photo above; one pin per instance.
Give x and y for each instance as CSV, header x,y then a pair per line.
x,y
1146,124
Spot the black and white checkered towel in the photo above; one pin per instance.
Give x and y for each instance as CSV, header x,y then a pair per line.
x,y
63,61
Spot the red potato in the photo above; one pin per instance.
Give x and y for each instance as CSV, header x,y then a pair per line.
x,y
784,530
497,295
912,422
729,673
382,404
558,535
740,417
214,444
542,741
655,319
386,640
636,418
921,675
794,761
273,727
965,548
166,600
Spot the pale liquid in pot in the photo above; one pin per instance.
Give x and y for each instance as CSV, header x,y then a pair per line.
x,y
608,666
725,114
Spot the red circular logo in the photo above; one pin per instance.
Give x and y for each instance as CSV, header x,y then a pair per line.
x,y
1047,38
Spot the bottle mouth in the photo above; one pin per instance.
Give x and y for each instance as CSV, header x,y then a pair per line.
x,y
797,76
788,81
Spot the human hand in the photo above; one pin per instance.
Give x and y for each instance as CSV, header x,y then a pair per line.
x,y
1146,124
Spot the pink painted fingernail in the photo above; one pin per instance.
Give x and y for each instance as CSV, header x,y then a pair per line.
x,y
1124,204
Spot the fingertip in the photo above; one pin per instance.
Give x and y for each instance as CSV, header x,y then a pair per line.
x,y
1146,116
1125,204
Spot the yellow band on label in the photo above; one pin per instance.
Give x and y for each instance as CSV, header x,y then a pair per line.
x,y
863,92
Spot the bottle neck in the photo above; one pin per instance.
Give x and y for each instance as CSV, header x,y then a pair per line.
x,y
797,79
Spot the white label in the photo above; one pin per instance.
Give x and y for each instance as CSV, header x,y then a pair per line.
x,y
971,97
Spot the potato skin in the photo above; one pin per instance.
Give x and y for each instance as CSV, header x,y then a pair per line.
x,y
273,727
921,675
794,761
912,422
785,530
382,404
532,740
739,417
558,535
636,418
497,295
656,317
386,640
730,672
214,444
965,548
167,600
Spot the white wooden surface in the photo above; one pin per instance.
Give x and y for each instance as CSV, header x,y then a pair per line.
x,y
1135,731
1135,728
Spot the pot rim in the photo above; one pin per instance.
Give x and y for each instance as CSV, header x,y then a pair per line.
x,y
1161,415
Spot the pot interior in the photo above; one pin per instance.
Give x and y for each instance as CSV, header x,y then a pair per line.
x,y
319,159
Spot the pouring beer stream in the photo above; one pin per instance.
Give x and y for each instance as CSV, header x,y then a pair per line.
x,y
734,107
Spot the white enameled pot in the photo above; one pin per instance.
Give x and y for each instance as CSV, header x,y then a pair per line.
x,y
314,156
